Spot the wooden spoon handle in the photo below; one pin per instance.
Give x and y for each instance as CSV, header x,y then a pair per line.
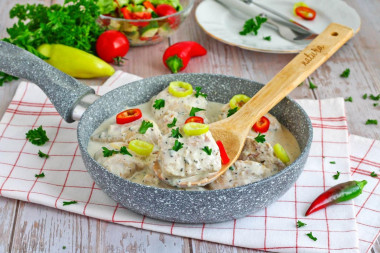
x,y
296,71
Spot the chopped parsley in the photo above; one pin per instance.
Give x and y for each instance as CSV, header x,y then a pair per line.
x,y
365,96
336,176
310,235
232,111
63,247
252,25
40,175
170,125
177,145
37,136
176,134
195,110
144,126
42,154
300,224
375,104
231,168
345,73
260,138
199,93
158,104
124,151
373,174
375,98
332,162
66,203
312,85
371,122
109,152
349,99
207,150
268,38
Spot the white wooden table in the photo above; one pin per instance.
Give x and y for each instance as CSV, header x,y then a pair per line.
x,y
27,227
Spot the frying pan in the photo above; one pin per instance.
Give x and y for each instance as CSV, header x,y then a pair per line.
x,y
75,101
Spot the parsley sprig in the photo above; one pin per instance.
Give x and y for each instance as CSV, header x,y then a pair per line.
x,y
199,93
345,73
373,174
109,152
42,154
66,203
349,99
145,125
40,175
310,235
195,110
260,138
312,85
252,25
371,122
177,145
336,176
170,125
176,134
207,150
300,224
124,151
37,136
268,38
232,111
158,104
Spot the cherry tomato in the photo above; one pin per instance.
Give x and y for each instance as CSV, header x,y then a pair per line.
x,y
128,116
166,10
112,44
306,13
195,119
262,125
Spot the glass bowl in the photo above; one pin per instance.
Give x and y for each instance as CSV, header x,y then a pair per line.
x,y
141,32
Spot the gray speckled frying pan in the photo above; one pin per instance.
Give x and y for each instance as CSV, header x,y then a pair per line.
x,y
71,99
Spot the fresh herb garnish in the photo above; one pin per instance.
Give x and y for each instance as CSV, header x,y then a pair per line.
x,y
373,174
207,150
177,145
300,224
124,151
336,176
349,99
144,126
195,110
365,96
375,98
4,78
371,122
375,104
252,25
310,235
37,136
176,134
345,73
158,104
260,138
40,175
231,168
154,15
268,38
232,111
66,203
63,247
109,152
312,85
332,162
170,125
42,154
199,93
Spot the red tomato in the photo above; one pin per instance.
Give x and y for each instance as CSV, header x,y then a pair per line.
x,y
165,10
262,125
141,15
112,44
129,115
305,12
195,119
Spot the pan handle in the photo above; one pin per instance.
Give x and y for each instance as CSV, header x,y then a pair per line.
x,y
63,91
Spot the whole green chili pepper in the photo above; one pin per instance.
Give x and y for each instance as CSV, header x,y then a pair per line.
x,y
336,194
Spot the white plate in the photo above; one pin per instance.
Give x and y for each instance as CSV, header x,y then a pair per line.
x,y
224,25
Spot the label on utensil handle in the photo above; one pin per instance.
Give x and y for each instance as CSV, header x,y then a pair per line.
x,y
309,56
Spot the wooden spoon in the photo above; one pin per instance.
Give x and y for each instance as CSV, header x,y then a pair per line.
x,y
233,130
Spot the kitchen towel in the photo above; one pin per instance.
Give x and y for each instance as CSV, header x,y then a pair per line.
x,y
346,227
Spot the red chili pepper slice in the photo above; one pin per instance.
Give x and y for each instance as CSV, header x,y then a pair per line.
x,y
128,116
195,119
178,55
338,193
126,13
306,12
262,125
223,153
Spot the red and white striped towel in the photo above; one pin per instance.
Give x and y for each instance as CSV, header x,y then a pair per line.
x,y
272,229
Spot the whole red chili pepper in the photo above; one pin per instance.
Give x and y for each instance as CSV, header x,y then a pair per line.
x,y
177,56
338,193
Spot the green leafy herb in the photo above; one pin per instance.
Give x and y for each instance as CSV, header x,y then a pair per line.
x,y
252,25
158,104
349,99
371,122
4,78
375,98
336,176
268,38
373,174
195,110
310,235
37,136
40,175
345,73
207,150
66,203
375,104
124,151
176,134
231,168
312,85
365,96
177,145
42,154
260,138
199,93
170,125
144,126
154,15
332,162
232,111
63,247
300,224
108,152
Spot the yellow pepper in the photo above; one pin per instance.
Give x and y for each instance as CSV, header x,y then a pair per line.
x,y
75,62
193,128
238,101
296,5
280,152
180,89
141,147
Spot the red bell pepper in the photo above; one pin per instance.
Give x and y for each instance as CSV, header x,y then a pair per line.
x,y
149,5
195,119
262,125
177,56
306,12
223,153
128,116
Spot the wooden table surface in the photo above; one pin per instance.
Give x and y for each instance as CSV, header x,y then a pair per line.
x,y
28,227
